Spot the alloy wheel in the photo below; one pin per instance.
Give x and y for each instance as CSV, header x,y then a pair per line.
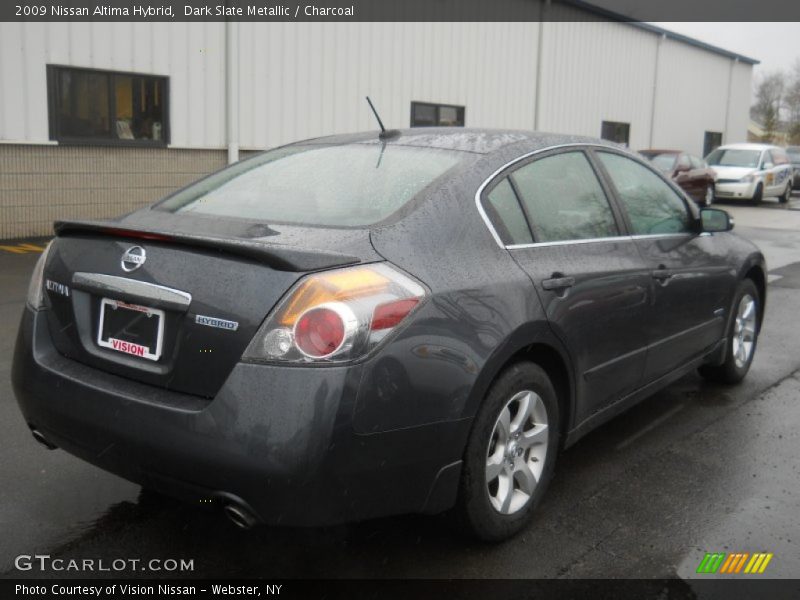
x,y
744,331
517,450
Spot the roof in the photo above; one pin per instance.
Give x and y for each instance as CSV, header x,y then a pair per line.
x,y
615,16
747,146
464,139
659,151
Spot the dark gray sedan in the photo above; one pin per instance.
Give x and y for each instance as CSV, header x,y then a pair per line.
x,y
358,326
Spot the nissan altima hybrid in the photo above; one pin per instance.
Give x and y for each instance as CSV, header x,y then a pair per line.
x,y
366,325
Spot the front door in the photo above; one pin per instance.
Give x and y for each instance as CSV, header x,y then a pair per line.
x,y
590,277
690,281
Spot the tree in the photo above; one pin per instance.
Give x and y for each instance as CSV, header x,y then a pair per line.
x,y
769,99
792,103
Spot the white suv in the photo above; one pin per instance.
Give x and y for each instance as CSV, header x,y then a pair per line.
x,y
751,172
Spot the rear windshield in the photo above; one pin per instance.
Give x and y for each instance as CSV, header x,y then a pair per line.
x,y
663,161
346,185
734,158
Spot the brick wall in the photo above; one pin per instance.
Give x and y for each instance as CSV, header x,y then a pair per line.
x,y
40,183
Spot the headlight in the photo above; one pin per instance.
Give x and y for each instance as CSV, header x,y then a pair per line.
x,y
36,287
336,316
748,178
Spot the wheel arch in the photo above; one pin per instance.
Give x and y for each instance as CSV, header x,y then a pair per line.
x,y
534,343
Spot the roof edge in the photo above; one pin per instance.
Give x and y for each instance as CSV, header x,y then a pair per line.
x,y
679,37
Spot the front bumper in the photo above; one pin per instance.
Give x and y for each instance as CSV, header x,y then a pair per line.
x,y
744,191
277,440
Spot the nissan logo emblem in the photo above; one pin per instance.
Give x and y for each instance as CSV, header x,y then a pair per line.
x,y
133,258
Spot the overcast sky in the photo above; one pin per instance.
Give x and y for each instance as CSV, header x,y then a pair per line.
x,y
776,45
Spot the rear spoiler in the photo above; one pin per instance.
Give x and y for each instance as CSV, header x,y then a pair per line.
x,y
278,257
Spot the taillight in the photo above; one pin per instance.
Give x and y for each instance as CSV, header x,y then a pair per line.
x,y
337,315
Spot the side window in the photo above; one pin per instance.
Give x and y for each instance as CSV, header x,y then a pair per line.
x,y
780,157
652,206
767,159
683,163
563,199
504,211
697,163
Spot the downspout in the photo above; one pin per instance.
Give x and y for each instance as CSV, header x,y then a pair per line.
x,y
539,50
654,104
232,90
728,103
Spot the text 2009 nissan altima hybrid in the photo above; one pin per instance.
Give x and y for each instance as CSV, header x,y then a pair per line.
x,y
363,325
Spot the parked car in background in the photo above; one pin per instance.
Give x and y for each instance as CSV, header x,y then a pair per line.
x,y
424,330
793,152
692,174
752,172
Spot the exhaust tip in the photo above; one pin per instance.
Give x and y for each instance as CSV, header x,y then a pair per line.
x,y
240,516
39,437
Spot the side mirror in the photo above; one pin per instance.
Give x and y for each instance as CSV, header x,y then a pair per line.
x,y
715,220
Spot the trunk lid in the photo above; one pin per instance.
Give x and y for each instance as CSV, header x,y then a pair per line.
x,y
206,283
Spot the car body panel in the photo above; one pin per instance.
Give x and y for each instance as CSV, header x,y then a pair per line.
x,y
319,444
690,173
771,176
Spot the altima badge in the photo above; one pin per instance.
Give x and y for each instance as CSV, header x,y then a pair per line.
x,y
133,258
215,322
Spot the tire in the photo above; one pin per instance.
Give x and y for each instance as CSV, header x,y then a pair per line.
x,y
490,509
734,369
758,195
787,194
708,198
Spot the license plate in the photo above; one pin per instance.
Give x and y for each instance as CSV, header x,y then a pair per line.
x,y
131,329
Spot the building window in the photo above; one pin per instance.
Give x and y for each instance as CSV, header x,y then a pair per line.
x,y
425,114
711,141
613,131
90,106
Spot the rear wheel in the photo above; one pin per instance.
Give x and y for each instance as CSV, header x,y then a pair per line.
x,y
708,198
787,194
742,337
510,455
757,195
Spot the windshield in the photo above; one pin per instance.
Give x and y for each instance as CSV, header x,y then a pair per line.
x,y
663,162
346,185
733,158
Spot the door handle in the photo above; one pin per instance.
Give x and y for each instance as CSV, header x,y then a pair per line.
x,y
558,282
661,274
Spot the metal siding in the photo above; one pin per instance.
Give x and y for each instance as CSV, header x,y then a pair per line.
x,y
739,119
692,100
307,79
594,72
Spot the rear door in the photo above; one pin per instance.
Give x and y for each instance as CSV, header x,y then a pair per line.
x,y
691,279
586,271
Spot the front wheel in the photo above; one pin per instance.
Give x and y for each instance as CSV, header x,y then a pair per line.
x,y
510,454
742,337
757,195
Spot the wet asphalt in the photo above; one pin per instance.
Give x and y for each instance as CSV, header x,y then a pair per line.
x,y
696,468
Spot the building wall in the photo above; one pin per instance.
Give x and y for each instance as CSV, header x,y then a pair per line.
x,y
301,80
43,183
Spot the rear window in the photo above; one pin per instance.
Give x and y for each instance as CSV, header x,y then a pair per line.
x,y
339,186
662,162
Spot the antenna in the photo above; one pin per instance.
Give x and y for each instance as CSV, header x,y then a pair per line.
x,y
375,112
384,134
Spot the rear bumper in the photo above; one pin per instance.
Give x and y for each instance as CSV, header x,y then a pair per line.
x,y
277,440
